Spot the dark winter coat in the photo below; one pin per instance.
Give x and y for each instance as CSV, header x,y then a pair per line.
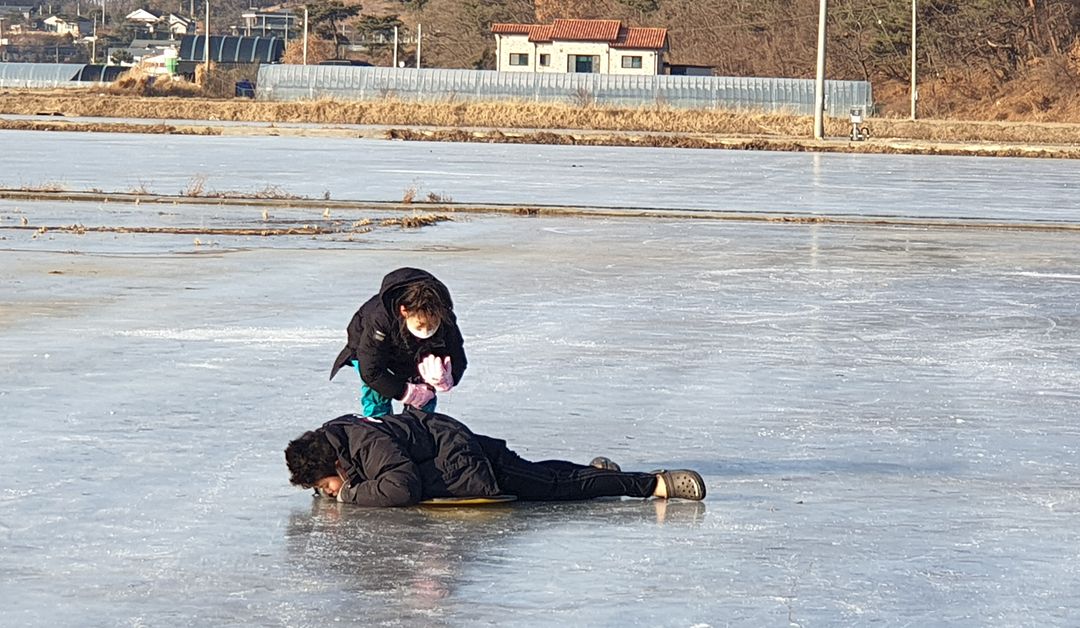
x,y
389,354
402,459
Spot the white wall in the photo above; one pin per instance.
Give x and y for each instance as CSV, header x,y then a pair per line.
x,y
609,62
650,61
514,44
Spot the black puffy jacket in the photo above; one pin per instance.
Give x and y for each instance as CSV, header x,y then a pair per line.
x,y
402,459
388,358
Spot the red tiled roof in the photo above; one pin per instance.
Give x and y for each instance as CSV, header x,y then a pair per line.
x,y
536,32
586,30
633,37
499,28
611,31
540,32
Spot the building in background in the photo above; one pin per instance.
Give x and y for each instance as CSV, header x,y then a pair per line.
x,y
150,25
140,49
270,23
76,26
586,46
688,69
17,8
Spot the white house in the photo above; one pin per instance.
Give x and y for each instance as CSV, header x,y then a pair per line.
x,y
591,46
151,23
143,17
180,25
67,25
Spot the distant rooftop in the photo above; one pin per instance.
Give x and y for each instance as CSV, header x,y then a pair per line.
x,y
610,31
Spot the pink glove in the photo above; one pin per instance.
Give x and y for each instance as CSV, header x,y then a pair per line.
x,y
417,396
437,372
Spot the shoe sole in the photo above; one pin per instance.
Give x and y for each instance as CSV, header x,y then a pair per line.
x,y
684,484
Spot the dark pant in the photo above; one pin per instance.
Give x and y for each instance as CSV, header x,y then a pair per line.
x,y
559,480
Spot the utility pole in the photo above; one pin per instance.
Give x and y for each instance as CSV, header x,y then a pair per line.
x,y
305,34
819,85
395,46
206,45
914,89
419,36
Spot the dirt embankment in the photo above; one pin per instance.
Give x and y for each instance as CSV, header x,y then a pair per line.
x,y
543,123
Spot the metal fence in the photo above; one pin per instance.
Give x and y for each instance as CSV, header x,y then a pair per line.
x,y
53,75
311,82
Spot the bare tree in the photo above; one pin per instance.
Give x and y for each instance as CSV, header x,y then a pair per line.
x,y
457,33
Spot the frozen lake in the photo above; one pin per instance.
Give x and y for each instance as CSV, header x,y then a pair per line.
x,y
885,417
1015,189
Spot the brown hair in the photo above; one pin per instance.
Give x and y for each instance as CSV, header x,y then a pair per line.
x,y
424,299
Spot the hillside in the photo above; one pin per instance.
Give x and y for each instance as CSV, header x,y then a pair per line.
x,y
1000,60
989,60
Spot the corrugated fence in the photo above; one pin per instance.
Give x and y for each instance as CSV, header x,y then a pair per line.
x,y
52,75
311,82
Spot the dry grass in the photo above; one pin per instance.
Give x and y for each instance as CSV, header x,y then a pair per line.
x,y
790,144
220,81
283,231
47,186
139,82
415,221
59,124
318,50
271,191
1046,90
196,186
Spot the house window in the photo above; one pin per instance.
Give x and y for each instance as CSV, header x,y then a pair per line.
x,y
587,64
519,58
629,61
545,60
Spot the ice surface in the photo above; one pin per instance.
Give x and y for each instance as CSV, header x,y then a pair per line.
x,y
885,417
692,179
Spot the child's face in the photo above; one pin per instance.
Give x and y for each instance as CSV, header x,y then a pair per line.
x,y
419,326
329,485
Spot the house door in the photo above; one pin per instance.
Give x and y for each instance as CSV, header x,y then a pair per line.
x,y
586,64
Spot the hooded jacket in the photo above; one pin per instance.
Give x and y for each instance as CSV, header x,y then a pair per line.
x,y
402,459
388,355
